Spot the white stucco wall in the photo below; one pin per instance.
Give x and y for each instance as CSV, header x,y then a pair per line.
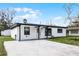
x,y
15,31
33,33
42,32
55,34
6,32
73,34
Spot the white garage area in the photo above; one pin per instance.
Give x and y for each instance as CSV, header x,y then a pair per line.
x,y
40,48
6,32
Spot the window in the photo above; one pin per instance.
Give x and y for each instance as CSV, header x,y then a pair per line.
x,y
26,31
74,32
48,32
59,30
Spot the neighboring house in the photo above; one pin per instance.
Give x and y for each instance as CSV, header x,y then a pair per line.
x,y
73,30
6,32
20,31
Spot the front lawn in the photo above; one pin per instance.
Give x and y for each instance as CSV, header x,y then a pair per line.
x,y
2,49
67,40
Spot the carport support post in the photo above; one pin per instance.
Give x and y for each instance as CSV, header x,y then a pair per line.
x,y
47,32
19,33
38,32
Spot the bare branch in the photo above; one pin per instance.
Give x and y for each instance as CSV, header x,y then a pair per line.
x,y
7,15
69,10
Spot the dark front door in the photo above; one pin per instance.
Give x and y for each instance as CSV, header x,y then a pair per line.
x,y
48,32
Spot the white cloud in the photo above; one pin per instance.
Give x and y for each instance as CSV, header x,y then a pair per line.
x,y
32,11
29,10
26,9
31,16
60,21
17,9
58,18
22,9
34,16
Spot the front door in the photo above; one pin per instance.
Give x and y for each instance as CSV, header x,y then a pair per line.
x,y
48,32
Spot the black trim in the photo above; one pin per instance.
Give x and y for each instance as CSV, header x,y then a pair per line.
x,y
14,25
17,24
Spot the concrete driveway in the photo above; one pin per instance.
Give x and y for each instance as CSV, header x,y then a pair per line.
x,y
39,48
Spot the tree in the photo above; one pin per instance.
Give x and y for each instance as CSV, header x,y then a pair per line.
x,y
68,9
6,17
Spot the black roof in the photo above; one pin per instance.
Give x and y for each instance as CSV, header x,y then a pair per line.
x,y
18,24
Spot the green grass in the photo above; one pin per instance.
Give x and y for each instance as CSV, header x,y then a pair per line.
x,y
67,40
2,49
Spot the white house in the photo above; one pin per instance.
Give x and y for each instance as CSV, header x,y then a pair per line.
x,y
20,31
6,32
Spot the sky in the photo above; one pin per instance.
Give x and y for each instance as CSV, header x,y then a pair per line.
x,y
38,13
